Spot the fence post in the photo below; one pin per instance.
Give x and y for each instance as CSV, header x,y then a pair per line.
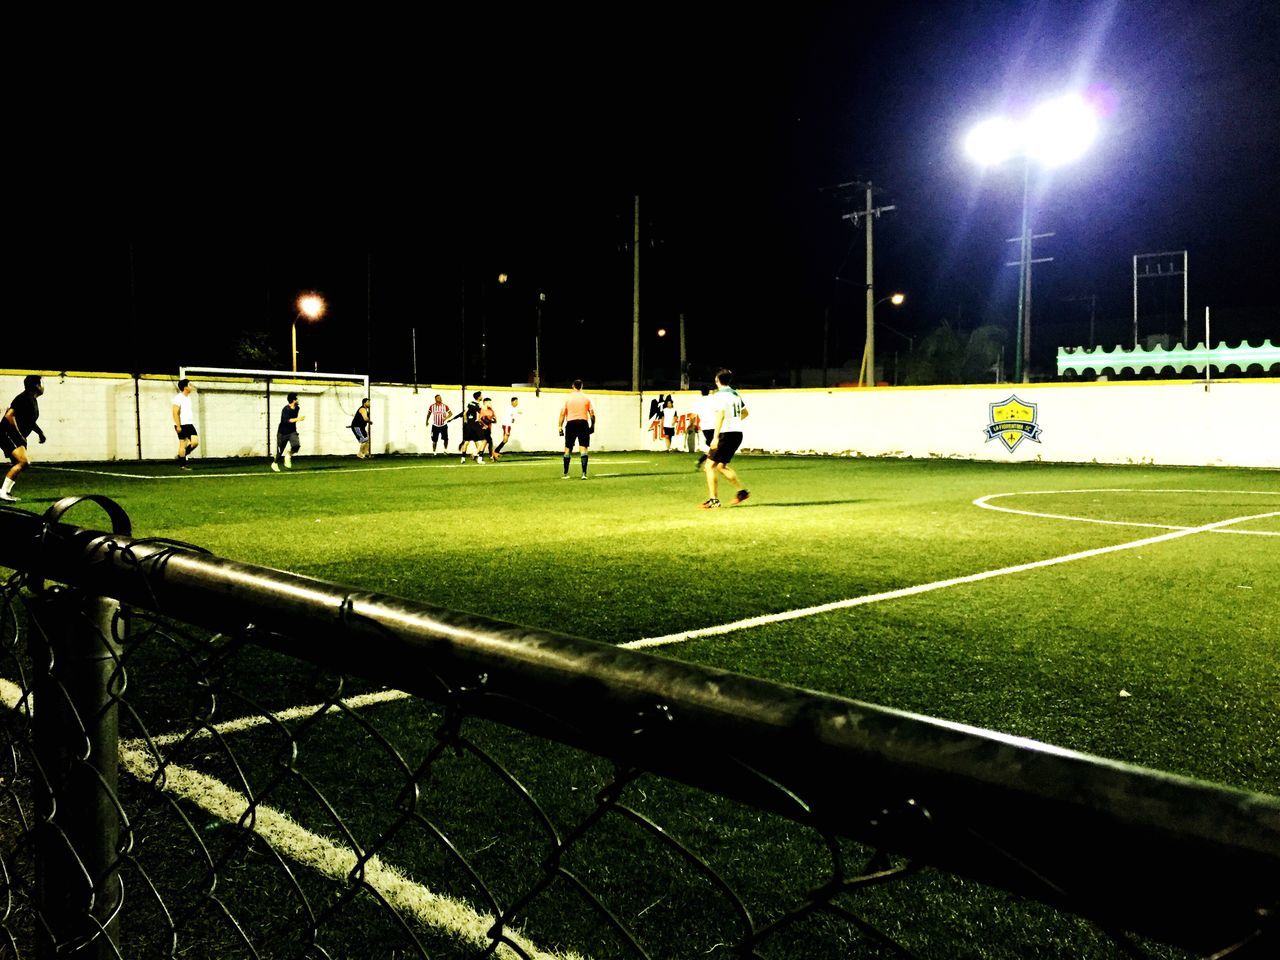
x,y
75,737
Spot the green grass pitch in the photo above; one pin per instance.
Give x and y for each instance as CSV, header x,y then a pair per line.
x,y
1162,653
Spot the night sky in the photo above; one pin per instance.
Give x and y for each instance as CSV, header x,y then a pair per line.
x,y
186,193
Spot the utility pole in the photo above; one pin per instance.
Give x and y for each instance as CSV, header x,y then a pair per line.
x,y
868,212
1022,350
684,361
635,298
1092,300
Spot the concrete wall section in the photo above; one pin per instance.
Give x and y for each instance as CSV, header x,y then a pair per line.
x,y
117,417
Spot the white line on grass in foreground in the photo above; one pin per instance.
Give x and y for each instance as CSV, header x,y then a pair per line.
x,y
983,502
292,840
266,472
926,587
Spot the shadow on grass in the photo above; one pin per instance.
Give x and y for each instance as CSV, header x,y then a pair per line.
x,y
799,503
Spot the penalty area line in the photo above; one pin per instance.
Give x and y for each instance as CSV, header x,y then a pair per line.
x,y
785,615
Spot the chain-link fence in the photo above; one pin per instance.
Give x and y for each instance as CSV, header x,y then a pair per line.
x,y
207,759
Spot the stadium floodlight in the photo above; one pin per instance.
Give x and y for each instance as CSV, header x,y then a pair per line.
x,y
992,142
1054,133
1060,131
311,306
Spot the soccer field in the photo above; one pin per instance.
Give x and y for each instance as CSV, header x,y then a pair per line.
x,y
1129,612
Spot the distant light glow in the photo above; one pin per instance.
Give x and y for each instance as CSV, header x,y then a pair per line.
x,y
662,331
897,299
1056,132
311,306
502,278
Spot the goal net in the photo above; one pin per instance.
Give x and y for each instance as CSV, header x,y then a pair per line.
x,y
237,411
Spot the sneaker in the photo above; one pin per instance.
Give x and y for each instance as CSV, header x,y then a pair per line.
x,y
742,497
182,465
710,503
564,476
275,467
479,459
288,463
464,459
9,497
584,476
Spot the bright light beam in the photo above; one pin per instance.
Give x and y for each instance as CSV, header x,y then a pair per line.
x,y
1060,131
994,141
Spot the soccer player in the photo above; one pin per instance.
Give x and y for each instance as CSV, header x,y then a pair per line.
x,y
471,428
726,437
184,422
668,421
287,433
488,417
703,421
19,421
438,416
508,421
577,423
360,427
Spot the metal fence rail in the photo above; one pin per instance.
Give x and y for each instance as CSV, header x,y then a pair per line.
x,y
270,792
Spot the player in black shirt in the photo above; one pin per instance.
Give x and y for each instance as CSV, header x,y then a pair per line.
x,y
287,433
20,420
471,432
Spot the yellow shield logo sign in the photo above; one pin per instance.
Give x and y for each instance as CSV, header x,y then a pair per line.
x,y
1013,421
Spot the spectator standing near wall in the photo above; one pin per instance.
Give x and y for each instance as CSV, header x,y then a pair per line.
x,y
184,423
19,422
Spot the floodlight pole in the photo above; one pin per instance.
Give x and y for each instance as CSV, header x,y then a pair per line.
x,y
871,300
1022,348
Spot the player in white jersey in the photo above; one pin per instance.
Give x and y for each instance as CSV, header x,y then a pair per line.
x,y
726,415
507,421
184,422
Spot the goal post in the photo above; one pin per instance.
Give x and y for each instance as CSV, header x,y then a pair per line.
x,y
238,409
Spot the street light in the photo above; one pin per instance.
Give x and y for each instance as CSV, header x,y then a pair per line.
x,y
897,299
311,306
1056,132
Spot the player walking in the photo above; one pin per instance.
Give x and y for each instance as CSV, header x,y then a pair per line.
x,y
577,423
726,437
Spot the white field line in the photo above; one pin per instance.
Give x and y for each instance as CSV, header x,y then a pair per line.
x,y
927,587
292,840
267,472
284,716
986,505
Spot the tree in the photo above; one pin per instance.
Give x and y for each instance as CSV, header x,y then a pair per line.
x,y
948,355
253,350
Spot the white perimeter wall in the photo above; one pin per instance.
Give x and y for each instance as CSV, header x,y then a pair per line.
x,y
108,417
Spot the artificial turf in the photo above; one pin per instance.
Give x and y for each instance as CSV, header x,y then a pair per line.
x,y
1163,655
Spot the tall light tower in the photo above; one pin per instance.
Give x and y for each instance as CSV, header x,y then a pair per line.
x,y
1055,133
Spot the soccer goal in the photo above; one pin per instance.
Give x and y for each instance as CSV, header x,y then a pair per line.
x,y
237,411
